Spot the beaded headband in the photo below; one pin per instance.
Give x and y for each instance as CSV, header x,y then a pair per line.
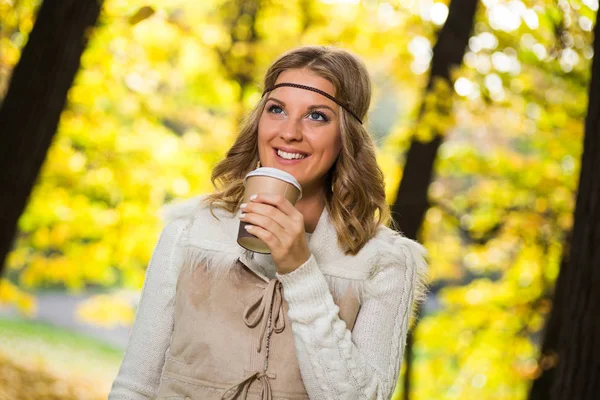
x,y
330,97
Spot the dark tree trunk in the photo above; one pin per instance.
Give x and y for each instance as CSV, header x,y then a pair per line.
x,y
411,199
540,390
570,356
36,96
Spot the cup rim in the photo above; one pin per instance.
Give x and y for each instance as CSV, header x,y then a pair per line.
x,y
277,174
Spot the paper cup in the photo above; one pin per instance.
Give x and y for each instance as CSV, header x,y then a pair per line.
x,y
266,180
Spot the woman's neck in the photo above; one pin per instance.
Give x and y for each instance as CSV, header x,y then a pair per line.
x,y
311,206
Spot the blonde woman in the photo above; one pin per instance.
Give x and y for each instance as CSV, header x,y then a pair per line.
x,y
325,315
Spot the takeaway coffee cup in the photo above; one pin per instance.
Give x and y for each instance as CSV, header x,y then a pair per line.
x,y
266,180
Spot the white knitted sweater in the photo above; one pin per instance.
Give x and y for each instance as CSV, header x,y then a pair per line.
x,y
387,275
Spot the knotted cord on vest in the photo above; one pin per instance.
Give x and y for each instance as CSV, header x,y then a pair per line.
x,y
268,308
270,303
243,387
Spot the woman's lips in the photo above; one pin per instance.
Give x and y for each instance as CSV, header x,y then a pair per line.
x,y
284,161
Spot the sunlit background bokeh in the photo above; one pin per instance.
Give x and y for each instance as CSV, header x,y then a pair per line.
x,y
155,105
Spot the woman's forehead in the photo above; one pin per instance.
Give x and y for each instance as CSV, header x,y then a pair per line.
x,y
307,78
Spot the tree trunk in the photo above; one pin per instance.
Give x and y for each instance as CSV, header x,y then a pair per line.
x,y
540,390
570,356
35,99
411,199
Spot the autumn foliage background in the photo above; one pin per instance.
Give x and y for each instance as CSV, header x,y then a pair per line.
x,y
156,103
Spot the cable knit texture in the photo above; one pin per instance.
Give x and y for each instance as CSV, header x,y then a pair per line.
x,y
335,363
338,364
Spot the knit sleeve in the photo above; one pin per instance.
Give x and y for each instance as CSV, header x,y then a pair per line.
x,y
363,364
139,375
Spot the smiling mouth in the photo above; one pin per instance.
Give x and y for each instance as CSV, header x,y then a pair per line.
x,y
289,156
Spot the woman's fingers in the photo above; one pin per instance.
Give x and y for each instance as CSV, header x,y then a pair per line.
x,y
274,220
263,222
264,215
276,200
266,236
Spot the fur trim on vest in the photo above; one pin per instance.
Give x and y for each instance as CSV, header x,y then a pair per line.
x,y
212,243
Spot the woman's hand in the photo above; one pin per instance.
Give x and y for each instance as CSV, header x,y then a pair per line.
x,y
281,226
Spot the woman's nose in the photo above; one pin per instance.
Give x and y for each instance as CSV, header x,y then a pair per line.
x,y
291,130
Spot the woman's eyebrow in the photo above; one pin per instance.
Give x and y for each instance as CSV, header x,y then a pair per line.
x,y
276,100
313,107
322,106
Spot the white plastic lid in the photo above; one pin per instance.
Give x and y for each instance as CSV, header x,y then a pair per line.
x,y
275,173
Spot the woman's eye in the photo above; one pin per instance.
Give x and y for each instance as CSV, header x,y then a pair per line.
x,y
317,116
275,109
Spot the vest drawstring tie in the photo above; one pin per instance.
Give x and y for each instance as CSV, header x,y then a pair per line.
x,y
270,303
243,387
268,308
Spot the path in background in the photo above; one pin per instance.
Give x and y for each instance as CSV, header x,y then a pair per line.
x,y
59,309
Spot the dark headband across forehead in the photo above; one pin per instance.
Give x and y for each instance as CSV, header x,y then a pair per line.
x,y
312,89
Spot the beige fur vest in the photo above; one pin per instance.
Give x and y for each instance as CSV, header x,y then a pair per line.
x,y
232,337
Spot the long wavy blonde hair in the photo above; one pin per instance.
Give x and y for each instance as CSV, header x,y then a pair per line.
x,y
355,193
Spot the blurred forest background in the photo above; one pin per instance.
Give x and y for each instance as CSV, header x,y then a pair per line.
x,y
488,97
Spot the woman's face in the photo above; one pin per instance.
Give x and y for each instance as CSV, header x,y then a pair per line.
x,y
300,122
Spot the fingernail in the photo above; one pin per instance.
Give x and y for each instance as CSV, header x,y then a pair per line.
x,y
242,215
248,227
252,197
243,205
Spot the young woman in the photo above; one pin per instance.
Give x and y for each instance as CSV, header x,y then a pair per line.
x,y
325,315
